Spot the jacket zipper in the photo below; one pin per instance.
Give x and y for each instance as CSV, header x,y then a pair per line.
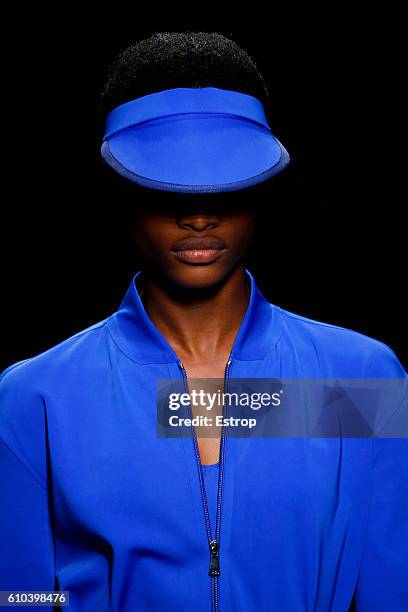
x,y
213,544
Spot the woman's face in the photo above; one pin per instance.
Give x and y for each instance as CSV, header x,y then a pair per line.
x,y
193,241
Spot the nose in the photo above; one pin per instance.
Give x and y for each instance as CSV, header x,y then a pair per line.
x,y
198,222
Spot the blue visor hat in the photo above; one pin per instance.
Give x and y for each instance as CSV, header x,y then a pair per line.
x,y
193,140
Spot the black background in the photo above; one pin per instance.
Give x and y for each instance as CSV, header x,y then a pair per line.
x,y
338,255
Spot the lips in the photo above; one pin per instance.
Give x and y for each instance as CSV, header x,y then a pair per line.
x,y
198,250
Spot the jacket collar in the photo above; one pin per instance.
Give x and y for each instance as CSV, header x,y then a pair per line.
x,y
137,336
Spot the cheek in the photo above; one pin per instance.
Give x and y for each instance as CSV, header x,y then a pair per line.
x,y
242,233
152,235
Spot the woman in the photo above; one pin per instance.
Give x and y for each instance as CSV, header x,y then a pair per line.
x,y
94,501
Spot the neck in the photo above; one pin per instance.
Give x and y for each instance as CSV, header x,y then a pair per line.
x,y
198,323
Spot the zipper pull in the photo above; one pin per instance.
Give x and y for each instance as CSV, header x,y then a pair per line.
x,y
214,558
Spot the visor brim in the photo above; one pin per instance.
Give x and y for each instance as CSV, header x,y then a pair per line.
x,y
196,153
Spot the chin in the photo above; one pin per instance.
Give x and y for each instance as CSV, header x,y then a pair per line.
x,y
198,277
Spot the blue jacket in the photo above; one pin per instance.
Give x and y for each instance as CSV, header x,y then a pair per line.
x,y
94,503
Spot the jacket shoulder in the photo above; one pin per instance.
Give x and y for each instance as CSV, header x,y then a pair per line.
x,y
28,374
373,357
25,386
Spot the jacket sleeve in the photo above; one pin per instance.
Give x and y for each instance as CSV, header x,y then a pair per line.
x,y
382,582
26,542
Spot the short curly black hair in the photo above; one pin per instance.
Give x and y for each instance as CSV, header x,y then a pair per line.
x,y
168,60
